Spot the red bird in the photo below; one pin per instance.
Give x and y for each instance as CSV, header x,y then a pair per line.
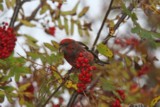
x,y
71,50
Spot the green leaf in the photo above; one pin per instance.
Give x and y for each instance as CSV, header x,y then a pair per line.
x,y
7,89
107,85
1,7
55,44
49,46
79,28
2,95
72,12
33,55
27,23
83,12
24,86
30,38
104,50
72,27
60,23
66,26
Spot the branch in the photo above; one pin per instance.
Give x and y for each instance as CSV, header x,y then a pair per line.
x,y
49,98
19,4
121,19
75,94
15,14
64,81
99,32
32,16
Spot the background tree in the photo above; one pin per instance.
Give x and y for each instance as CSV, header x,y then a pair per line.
x,y
35,74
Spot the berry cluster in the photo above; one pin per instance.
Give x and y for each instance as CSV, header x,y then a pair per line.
x,y
51,30
7,41
117,102
85,75
127,41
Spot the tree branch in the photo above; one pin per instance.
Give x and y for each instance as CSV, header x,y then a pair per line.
x,y
19,4
121,19
99,32
75,94
15,14
32,16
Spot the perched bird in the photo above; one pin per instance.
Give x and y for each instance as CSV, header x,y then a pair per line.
x,y
71,50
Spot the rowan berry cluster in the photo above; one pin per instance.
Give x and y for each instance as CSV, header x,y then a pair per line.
x,y
117,102
7,41
85,75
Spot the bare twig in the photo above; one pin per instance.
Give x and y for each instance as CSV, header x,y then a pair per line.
x,y
49,98
62,84
99,32
121,19
32,16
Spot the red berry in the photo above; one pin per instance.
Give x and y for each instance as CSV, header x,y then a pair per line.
x,y
7,41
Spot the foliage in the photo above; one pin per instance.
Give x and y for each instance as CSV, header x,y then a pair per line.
x,y
35,77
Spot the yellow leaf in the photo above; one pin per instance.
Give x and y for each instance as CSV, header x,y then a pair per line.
x,y
104,50
83,12
154,101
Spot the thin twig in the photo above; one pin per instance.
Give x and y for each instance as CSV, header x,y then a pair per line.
x,y
32,16
64,81
75,94
121,19
104,20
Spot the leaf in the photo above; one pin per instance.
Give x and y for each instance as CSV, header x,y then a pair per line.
x,y
8,4
107,85
2,95
55,44
1,7
104,50
7,89
72,27
79,28
44,9
49,46
60,24
83,12
66,26
33,55
31,42
72,12
154,101
24,87
26,23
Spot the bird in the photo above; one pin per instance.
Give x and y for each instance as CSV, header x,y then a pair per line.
x,y
72,48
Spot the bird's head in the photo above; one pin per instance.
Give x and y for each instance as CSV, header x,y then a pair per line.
x,y
64,43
